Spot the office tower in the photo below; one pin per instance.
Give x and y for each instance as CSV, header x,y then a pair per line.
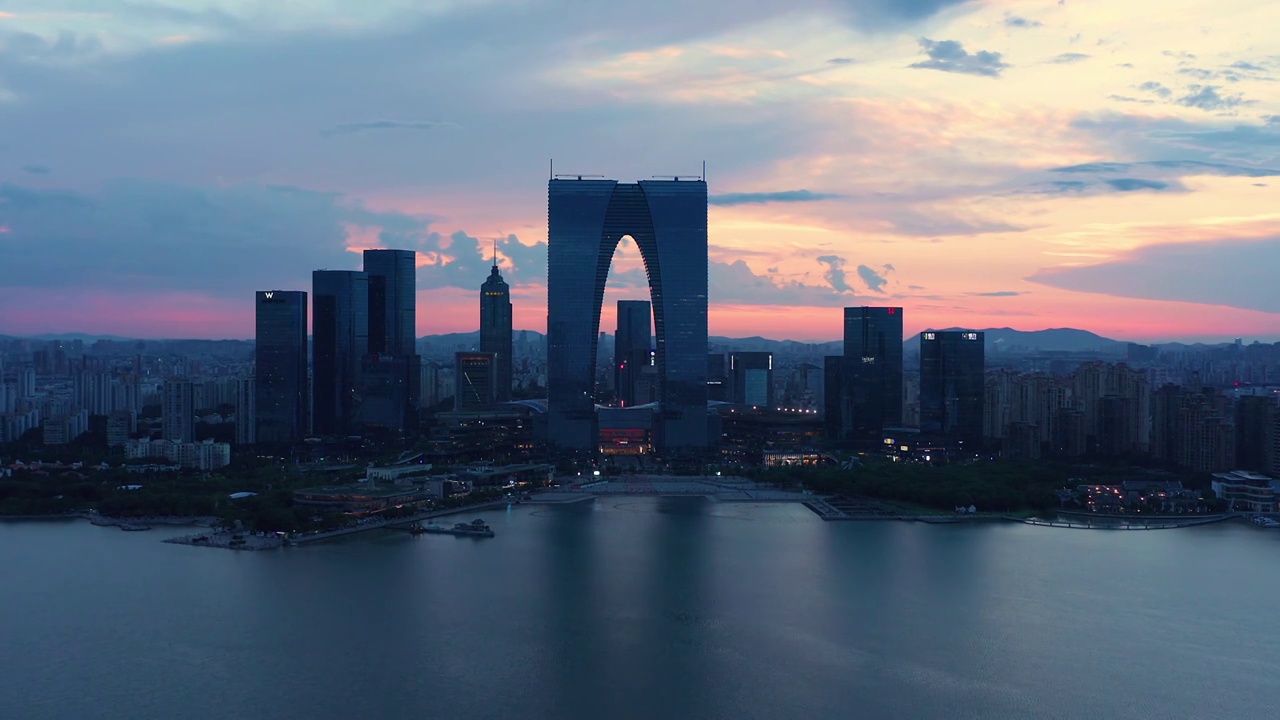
x,y
280,367
751,378
495,328
177,411
832,396
392,301
340,340
246,415
26,383
952,366
717,377
392,372
475,373
872,384
428,385
631,349
1256,417
121,424
668,221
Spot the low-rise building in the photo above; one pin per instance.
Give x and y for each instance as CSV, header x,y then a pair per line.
x,y
360,498
1245,490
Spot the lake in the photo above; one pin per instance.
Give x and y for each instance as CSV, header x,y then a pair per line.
x,y
645,608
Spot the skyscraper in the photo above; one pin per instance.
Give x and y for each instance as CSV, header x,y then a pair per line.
x,y
340,338
495,329
280,375
392,369
668,221
392,301
952,373
631,348
177,411
872,387
751,377
475,373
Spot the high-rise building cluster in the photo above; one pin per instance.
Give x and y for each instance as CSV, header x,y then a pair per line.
x,y
366,372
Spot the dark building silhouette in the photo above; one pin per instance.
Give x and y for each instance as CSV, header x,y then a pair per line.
x,y
871,397
751,378
495,329
394,364
631,350
833,396
340,341
475,373
952,372
178,410
668,221
392,301
717,377
280,367
1256,419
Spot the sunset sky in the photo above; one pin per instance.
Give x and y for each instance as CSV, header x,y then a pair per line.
x,y
1096,164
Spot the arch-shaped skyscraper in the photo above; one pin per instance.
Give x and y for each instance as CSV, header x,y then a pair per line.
x,y
668,221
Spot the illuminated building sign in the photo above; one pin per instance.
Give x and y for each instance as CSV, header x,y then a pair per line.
x,y
930,336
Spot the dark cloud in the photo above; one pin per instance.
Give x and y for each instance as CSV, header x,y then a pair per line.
x,y
879,15
1015,21
998,293
1136,184
1197,73
1155,88
1233,273
835,273
874,281
950,56
761,198
224,241
373,125
1068,58
841,61
1242,65
736,283
1207,97
36,169
1180,167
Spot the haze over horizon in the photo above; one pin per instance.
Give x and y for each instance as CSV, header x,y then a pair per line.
x,y
982,163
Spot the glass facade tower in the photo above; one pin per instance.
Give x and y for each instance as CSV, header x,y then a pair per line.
x,y
668,221
280,367
392,301
631,348
952,385
340,338
495,330
751,378
393,368
872,387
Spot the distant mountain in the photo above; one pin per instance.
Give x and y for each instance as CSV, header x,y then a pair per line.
x,y
1008,340
998,340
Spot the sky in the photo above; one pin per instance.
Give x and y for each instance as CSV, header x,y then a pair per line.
x,y
1111,166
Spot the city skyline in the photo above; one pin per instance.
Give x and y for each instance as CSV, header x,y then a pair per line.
x,y
981,164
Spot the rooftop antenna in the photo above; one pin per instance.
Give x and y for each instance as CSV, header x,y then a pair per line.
x,y
495,253
704,171
552,176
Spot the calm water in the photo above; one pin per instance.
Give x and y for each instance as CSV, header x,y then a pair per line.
x,y
646,608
